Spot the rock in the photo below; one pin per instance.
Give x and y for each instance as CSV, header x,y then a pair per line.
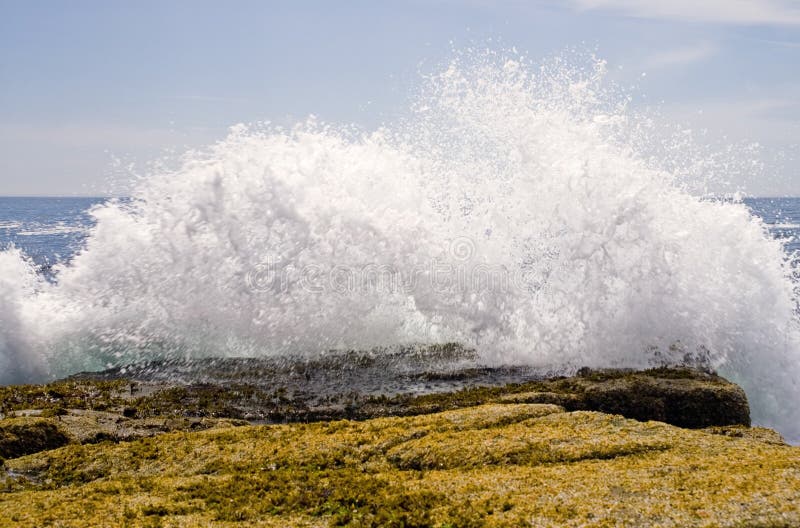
x,y
568,401
28,435
530,453
23,436
488,465
103,409
678,396
761,434
368,384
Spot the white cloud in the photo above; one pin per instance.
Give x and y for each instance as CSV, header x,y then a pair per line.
x,y
682,56
743,12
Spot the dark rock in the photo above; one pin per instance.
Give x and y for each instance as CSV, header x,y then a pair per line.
x,y
23,436
680,396
362,385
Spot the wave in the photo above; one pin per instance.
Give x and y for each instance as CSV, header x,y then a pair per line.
x,y
522,209
60,229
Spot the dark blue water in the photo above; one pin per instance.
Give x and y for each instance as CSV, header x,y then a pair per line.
x,y
52,230
782,215
48,230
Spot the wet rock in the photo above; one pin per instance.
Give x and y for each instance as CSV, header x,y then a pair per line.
x,y
398,382
678,396
683,397
23,436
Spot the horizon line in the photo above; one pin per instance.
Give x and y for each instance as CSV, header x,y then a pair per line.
x,y
111,197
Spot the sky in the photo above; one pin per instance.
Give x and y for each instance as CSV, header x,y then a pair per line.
x,y
94,91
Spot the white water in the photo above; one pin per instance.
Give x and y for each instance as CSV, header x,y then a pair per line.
x,y
523,210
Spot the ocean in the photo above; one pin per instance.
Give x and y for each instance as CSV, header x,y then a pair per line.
x,y
48,230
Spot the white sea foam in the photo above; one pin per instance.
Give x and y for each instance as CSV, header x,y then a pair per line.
x,y
518,209
51,229
20,358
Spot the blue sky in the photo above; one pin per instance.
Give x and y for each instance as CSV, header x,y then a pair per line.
x,y
90,88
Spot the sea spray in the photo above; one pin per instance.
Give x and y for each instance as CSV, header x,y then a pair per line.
x,y
19,358
521,209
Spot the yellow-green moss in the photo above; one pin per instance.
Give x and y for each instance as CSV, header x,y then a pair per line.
x,y
491,465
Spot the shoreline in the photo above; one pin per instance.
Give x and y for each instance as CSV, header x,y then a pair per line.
x,y
658,447
481,456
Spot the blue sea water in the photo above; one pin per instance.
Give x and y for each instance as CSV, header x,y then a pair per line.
x,y
48,230
51,230
782,215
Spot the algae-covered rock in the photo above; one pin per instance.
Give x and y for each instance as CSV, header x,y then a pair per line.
x,y
23,436
679,396
682,397
114,452
45,431
92,410
761,434
367,384
59,395
489,465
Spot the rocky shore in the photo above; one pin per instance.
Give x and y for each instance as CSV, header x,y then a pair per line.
x,y
135,447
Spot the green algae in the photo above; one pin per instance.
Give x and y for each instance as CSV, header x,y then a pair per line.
x,y
490,465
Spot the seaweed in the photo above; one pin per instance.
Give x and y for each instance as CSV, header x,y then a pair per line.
x,y
500,464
